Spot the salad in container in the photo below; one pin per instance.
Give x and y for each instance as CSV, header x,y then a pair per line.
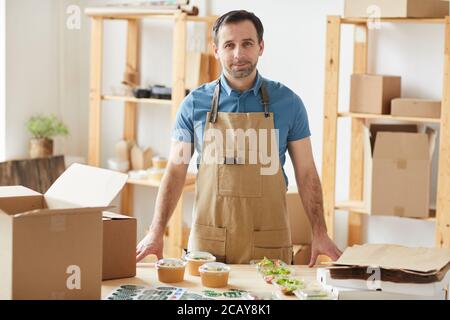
x,y
288,285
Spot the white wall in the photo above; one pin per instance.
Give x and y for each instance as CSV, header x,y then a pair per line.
x,y
295,55
32,68
2,81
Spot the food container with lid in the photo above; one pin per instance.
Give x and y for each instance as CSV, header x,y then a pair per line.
x,y
214,274
171,270
196,259
288,285
159,162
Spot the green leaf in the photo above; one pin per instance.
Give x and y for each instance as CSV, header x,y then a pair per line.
x,y
46,127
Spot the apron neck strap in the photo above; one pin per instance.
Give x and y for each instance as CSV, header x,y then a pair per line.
x,y
264,99
215,101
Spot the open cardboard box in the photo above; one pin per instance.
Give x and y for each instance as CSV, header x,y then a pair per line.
x,y
51,244
397,170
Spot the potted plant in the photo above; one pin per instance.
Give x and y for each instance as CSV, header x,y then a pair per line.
x,y
43,129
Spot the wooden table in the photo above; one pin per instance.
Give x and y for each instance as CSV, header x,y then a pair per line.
x,y
244,277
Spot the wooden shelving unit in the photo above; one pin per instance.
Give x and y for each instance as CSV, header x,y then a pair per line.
x,y
355,205
133,16
135,100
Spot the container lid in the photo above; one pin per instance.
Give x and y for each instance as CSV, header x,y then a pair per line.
x,y
253,295
200,256
169,263
214,267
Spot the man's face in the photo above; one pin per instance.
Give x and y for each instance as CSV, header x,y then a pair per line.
x,y
238,49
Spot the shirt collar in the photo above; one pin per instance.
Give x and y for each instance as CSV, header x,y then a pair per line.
x,y
255,88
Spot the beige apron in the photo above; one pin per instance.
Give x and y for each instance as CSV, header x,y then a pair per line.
x,y
240,214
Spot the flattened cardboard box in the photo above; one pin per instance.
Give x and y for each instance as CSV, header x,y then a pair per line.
x,y
51,244
396,9
397,170
416,108
119,246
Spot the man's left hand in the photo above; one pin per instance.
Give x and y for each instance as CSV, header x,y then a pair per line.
x,y
322,244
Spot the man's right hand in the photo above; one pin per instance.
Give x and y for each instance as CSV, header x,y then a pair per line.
x,y
151,244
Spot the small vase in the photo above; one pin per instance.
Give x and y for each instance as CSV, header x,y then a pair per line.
x,y
41,148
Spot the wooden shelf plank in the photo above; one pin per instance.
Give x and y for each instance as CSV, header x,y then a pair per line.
x,y
360,207
393,20
114,12
386,117
190,181
207,19
123,12
135,100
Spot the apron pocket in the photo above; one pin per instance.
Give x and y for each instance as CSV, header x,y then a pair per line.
x,y
210,239
237,180
273,244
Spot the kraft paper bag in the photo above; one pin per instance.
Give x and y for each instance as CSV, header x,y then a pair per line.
x,y
424,261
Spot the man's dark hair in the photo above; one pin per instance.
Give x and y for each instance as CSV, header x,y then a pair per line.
x,y
235,17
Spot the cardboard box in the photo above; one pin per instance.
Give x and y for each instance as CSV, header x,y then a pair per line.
x,y
396,9
141,159
119,246
397,170
373,93
416,108
302,254
51,244
300,227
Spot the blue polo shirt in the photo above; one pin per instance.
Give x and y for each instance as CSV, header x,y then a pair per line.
x,y
290,116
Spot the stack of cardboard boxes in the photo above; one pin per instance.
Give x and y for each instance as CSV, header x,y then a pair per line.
x,y
397,157
56,245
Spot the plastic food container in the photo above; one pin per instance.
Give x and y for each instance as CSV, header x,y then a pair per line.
x,y
138,174
117,165
288,285
171,270
260,296
267,263
270,273
155,174
159,162
214,274
196,259
314,294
